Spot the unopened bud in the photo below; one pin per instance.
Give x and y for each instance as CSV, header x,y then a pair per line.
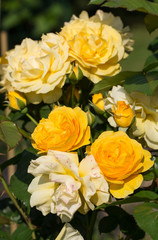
x,y
17,100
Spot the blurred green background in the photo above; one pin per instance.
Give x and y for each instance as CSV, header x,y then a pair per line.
x,y
32,18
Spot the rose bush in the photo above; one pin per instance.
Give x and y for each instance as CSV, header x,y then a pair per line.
x,y
79,165
122,160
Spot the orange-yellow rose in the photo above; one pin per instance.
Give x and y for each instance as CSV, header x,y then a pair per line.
x,y
66,129
123,115
122,160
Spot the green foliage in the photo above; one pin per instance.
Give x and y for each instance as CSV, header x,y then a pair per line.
x,y
108,82
151,62
144,83
9,133
144,196
153,46
8,211
22,233
132,81
146,216
126,222
141,5
22,179
151,22
107,224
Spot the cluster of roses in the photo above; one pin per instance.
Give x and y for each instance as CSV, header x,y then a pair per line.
x,y
114,163
62,185
38,69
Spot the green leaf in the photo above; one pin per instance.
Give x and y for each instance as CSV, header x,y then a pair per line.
x,y
148,175
151,22
44,111
22,233
98,2
156,167
153,46
9,133
126,221
107,224
146,216
139,5
19,189
12,161
108,82
151,62
3,118
144,83
4,235
21,179
124,201
142,196
147,194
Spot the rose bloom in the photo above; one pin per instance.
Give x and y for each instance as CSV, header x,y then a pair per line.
x,y
97,43
123,115
37,69
63,186
65,129
146,113
121,160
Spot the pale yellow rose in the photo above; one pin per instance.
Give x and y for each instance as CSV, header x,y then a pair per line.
x,y
97,43
146,113
16,100
121,160
62,186
37,69
69,233
66,129
123,115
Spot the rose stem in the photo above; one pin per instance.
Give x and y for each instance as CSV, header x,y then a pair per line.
x,y
91,225
31,118
27,220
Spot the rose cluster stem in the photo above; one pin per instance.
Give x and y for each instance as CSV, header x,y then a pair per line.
x,y
91,226
31,118
27,220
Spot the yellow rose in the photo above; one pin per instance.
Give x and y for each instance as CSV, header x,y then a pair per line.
x,y
66,129
98,100
97,43
123,115
16,100
37,69
122,160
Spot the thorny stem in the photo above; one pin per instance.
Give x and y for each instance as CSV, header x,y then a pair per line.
x,y
27,220
31,118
